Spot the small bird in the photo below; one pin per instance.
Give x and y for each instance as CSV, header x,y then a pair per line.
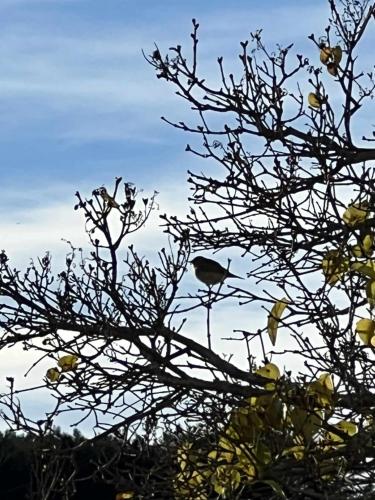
x,y
210,272
111,202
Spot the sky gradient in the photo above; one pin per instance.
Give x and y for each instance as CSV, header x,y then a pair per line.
x,y
80,105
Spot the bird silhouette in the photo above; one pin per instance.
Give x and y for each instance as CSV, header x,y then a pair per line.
x,y
211,272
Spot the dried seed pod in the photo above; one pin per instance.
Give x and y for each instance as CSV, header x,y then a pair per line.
x,y
332,68
325,54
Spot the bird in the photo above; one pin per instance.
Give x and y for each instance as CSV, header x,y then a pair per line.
x,y
210,272
111,202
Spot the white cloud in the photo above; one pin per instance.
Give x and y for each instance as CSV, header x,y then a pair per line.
x,y
45,215
87,78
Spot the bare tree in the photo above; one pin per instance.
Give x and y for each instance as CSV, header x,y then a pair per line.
x,y
295,194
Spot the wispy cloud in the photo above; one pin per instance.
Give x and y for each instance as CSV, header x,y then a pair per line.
x,y
79,76
41,228
45,217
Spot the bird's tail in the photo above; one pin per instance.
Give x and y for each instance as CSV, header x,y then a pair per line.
x,y
230,275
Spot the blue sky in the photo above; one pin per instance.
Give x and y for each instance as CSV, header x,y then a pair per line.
x,y
79,105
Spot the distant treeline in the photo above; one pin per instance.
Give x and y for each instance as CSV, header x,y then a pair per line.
x,y
46,468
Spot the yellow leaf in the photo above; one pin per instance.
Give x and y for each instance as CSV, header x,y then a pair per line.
x,y
256,401
274,318
188,487
365,248
368,243
357,251
350,428
334,441
314,100
245,425
337,54
355,214
225,480
297,451
226,449
322,390
245,465
125,495
370,292
365,329
325,54
334,266
182,457
68,362
326,380
270,371
367,268
53,374
306,423
345,427
274,413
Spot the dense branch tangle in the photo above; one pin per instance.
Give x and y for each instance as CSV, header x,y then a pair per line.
x,y
119,318
289,170
283,204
